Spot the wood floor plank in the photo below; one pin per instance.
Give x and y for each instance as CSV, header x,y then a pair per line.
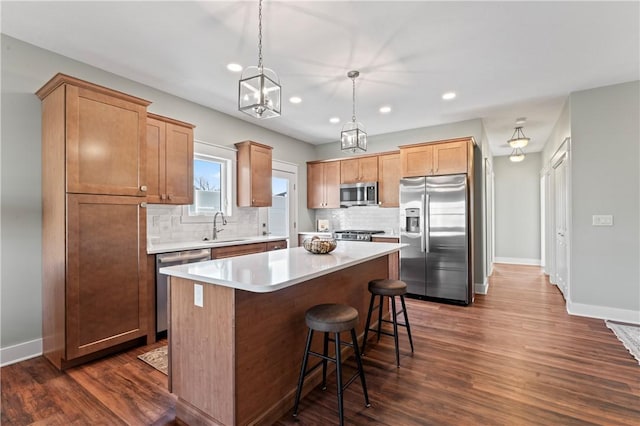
x,y
514,357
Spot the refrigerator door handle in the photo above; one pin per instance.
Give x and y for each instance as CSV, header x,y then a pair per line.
x,y
427,224
423,237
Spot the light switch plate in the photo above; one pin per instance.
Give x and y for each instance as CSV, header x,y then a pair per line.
x,y
602,220
198,298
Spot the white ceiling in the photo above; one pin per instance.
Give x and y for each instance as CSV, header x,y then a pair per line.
x,y
503,59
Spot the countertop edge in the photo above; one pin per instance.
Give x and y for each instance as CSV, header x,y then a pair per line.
x,y
195,245
394,247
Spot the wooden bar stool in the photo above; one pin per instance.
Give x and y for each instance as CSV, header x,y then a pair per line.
x,y
331,318
391,288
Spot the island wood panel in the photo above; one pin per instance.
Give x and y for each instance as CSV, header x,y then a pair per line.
x,y
202,352
394,258
53,227
270,340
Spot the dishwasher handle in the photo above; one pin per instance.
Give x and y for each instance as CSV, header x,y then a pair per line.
x,y
186,258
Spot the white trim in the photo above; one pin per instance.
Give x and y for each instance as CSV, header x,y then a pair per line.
x,y
481,288
20,352
603,312
518,261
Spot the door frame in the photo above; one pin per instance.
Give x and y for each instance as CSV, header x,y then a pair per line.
x,y
291,170
562,155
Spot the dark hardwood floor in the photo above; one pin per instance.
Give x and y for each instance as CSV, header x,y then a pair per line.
x,y
515,357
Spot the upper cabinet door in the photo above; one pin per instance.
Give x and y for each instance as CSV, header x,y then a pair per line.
x,y
179,164
332,184
354,170
253,174
105,144
450,158
389,183
156,153
416,161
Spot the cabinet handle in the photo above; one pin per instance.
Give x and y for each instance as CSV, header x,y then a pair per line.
x,y
169,196
143,188
143,205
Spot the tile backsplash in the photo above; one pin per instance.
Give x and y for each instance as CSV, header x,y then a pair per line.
x,y
363,217
166,224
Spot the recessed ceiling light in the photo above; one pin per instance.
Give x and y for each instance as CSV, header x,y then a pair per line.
x,y
385,109
234,67
295,100
334,120
448,96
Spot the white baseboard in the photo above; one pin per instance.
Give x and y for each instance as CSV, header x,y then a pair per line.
x,y
481,288
20,352
603,312
517,261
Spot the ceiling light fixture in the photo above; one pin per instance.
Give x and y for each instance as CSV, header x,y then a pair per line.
x,y
385,109
518,140
259,92
234,67
448,96
353,137
334,120
295,99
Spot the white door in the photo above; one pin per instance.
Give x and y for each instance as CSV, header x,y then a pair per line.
x,y
282,215
561,219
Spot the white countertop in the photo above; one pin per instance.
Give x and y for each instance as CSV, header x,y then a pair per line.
x,y
275,270
192,245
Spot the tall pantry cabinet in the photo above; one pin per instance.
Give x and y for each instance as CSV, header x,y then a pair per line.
x,y
93,219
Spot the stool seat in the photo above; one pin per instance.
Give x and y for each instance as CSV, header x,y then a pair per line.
x,y
331,317
388,287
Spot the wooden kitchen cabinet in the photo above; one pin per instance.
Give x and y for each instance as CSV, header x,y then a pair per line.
x,y
434,159
254,174
323,185
104,134
106,289
169,160
361,169
389,180
94,289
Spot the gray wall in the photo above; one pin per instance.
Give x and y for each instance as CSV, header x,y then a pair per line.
x,y
25,68
517,202
605,179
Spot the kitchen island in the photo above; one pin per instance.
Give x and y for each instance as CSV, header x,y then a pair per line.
x,y
237,329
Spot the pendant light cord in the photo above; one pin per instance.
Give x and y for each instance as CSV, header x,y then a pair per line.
x,y
260,35
353,117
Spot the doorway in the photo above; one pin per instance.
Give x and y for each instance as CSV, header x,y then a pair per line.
x,y
282,215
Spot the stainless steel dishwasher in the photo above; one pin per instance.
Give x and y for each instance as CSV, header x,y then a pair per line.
x,y
171,259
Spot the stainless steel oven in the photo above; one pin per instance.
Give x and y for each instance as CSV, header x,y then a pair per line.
x,y
172,259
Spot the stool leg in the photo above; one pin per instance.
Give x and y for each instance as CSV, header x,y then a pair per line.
x,y
303,370
380,316
368,323
406,321
395,328
339,379
325,352
354,338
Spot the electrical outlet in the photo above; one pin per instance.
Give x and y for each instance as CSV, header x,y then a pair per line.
x,y
198,297
602,220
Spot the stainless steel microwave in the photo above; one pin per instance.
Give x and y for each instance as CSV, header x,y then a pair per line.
x,y
359,194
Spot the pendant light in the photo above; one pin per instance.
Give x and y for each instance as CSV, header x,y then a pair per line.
x,y
517,142
353,137
259,87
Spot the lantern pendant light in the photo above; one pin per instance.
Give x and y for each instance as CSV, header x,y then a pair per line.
x,y
353,137
259,90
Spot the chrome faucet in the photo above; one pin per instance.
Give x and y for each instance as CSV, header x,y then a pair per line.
x,y
216,230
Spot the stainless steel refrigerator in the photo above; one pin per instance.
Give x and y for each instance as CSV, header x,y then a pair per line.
x,y
434,222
